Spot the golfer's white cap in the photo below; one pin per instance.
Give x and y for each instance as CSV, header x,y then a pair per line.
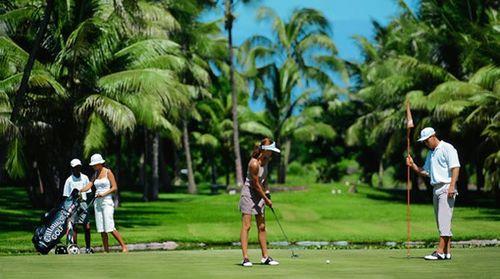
x,y
272,147
426,133
75,162
96,159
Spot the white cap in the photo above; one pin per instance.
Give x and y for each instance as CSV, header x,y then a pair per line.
x,y
75,162
271,147
426,133
96,159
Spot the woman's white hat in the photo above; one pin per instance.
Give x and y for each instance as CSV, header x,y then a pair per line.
x,y
426,133
75,162
96,159
271,147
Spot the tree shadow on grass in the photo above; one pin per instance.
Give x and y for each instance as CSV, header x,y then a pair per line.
x,y
471,199
486,204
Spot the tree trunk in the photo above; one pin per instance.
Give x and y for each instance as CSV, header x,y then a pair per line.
x,y
166,180
234,95
143,162
155,164
2,156
117,171
283,162
479,174
381,174
19,99
462,183
185,136
214,172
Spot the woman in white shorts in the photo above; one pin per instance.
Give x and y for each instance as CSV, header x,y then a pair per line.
x,y
105,184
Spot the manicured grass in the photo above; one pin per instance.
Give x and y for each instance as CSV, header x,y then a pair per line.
x,y
315,214
466,263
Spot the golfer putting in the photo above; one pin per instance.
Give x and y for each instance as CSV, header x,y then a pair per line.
x,y
254,197
442,167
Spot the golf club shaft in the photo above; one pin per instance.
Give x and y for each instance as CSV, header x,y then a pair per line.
x,y
282,231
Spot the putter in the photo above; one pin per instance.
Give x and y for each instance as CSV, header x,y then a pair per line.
x,y
284,234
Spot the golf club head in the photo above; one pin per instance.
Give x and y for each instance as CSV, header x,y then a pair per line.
x,y
294,255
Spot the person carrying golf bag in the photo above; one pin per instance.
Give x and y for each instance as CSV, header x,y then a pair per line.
x,y
78,180
55,224
254,198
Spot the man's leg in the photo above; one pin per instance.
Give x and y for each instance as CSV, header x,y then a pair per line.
x,y
87,235
445,214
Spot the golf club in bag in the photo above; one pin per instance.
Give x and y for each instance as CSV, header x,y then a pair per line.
x,y
284,234
57,223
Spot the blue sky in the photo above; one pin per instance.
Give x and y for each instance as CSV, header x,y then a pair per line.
x,y
347,18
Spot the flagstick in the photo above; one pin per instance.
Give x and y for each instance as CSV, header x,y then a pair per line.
x,y
408,185
409,125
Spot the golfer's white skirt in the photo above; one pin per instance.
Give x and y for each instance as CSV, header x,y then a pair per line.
x,y
104,209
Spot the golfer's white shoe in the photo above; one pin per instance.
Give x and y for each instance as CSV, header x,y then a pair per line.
x,y
435,256
246,263
269,261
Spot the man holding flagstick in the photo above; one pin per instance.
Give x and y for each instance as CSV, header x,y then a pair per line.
x,y
442,167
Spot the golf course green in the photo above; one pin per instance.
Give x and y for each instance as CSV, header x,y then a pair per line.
x,y
315,214
380,263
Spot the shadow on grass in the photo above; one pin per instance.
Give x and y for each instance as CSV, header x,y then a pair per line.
x,y
480,200
471,198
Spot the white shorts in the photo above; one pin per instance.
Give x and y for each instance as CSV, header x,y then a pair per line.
x,y
443,209
104,209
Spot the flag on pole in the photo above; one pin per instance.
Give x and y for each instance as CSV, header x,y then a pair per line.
x,y
409,119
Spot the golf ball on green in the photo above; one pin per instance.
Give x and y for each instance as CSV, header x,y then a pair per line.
x,y
327,261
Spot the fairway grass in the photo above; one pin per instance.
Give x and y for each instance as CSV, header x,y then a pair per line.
x,y
466,263
369,216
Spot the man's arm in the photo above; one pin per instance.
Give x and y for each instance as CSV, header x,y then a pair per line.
x,y
454,178
420,171
66,190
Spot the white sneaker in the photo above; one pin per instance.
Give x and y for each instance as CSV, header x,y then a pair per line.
x,y
246,263
435,256
269,261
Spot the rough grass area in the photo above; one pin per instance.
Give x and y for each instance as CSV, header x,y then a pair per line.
x,y
315,214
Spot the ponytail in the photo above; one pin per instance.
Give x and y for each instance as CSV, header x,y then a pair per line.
x,y
257,148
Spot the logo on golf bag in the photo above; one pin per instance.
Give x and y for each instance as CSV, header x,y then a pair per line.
x,y
54,231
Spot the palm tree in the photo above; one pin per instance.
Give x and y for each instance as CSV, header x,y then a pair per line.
x,y
288,65
112,76
228,24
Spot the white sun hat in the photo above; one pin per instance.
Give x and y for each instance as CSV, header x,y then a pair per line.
x,y
271,147
75,162
96,159
426,133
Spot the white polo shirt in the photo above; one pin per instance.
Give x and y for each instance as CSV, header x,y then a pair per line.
x,y
440,161
74,182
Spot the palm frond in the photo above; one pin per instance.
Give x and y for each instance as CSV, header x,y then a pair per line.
x,y
118,117
15,164
95,135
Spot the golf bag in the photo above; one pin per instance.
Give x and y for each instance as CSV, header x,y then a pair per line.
x,y
55,224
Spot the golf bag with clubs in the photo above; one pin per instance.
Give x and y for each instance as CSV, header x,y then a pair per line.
x,y
57,223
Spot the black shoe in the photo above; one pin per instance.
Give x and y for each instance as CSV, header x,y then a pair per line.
x,y
269,261
246,263
435,256
89,251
